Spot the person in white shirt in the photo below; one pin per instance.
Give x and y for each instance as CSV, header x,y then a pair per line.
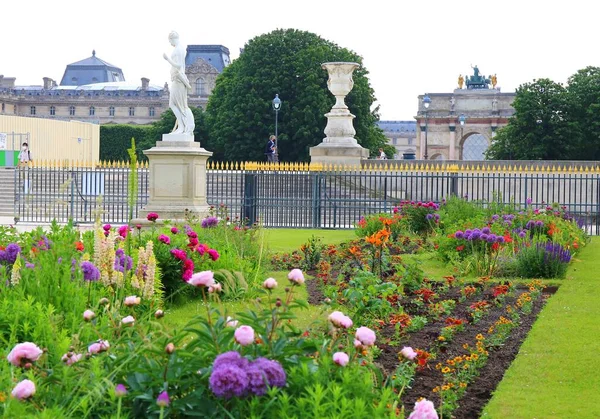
x,y
25,156
382,155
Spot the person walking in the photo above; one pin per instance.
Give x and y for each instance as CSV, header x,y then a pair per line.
x,y
25,156
270,149
382,155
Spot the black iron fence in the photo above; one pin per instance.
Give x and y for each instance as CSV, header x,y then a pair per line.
x,y
303,196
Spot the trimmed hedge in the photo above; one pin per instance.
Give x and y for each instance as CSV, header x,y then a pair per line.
x,y
116,139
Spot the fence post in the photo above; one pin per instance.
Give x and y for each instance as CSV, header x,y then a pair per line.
x,y
249,211
454,184
72,197
316,200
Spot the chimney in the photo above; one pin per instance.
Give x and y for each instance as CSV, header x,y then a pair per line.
x,y
48,83
145,83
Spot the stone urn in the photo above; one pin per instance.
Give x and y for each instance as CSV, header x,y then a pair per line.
x,y
340,81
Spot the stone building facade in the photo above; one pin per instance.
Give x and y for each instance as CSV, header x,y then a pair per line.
x,y
402,135
483,109
93,90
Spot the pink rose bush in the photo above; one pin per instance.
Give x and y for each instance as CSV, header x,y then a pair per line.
x,y
23,390
23,353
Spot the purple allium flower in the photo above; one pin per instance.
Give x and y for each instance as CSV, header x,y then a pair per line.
x,y
475,234
163,399
495,217
122,261
484,237
491,238
468,232
522,234
539,223
164,239
210,222
90,272
230,358
500,239
229,380
486,230
459,235
9,255
273,370
29,265
429,217
257,380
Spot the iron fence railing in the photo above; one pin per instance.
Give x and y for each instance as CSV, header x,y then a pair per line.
x,y
300,197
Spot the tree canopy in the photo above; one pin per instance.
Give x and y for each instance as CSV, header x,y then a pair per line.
x,y
553,122
239,114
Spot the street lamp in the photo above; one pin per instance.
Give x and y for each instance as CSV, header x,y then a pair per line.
x,y
276,107
462,118
426,103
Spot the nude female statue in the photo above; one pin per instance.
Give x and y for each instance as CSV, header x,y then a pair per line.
x,y
180,86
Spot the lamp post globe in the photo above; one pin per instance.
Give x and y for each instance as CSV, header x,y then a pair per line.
x,y
426,103
276,108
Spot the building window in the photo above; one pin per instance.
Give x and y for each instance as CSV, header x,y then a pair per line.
x,y
411,141
72,110
52,111
32,110
199,87
394,141
92,111
151,111
131,111
111,111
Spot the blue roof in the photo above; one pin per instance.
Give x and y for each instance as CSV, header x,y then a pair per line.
x,y
91,70
398,126
215,55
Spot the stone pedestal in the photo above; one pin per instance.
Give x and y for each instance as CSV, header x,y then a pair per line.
x,y
340,146
177,180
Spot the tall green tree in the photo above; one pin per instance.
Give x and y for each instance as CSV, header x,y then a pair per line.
x,y
584,113
540,128
288,62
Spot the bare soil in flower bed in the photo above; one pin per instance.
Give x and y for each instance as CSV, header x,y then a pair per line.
x,y
480,390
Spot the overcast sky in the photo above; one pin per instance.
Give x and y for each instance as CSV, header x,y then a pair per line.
x,y
409,47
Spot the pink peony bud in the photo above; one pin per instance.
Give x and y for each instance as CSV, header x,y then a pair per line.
x,y
23,390
120,390
295,276
128,320
338,319
71,358
23,353
132,300
366,336
88,315
170,348
341,358
159,313
231,322
202,279
270,283
98,347
163,399
215,288
244,335
408,353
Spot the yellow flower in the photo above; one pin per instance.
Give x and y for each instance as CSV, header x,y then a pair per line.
x,y
450,362
441,338
2,397
436,389
462,385
445,370
474,357
445,388
466,346
479,337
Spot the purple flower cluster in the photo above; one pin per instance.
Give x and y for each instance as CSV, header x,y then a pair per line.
x,y
210,222
484,235
554,252
434,217
9,255
532,224
122,261
233,375
90,272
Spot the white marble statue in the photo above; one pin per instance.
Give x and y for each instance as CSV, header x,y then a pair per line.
x,y
180,86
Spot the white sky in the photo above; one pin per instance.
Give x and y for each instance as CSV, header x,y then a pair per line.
x,y
410,47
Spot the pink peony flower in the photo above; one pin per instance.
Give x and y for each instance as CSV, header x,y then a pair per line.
x,y
71,358
128,320
123,230
202,279
215,288
88,315
296,276
163,399
270,283
152,216
357,343
164,239
23,353
213,254
341,358
24,390
338,319
408,353
424,409
132,300
365,335
97,347
231,322
174,230
244,335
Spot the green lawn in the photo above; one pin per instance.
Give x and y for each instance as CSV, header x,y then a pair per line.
x,y
556,373
288,239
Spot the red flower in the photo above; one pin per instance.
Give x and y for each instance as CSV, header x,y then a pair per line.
x,y
460,248
79,246
496,246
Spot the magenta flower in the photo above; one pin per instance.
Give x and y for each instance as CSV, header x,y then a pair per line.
x,y
23,390
174,230
366,336
338,319
120,390
163,399
164,239
23,353
179,254
270,283
244,335
296,276
424,409
341,358
123,230
408,353
106,227
202,279
213,254
152,216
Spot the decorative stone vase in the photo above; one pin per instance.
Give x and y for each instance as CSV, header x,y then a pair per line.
x,y
340,81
